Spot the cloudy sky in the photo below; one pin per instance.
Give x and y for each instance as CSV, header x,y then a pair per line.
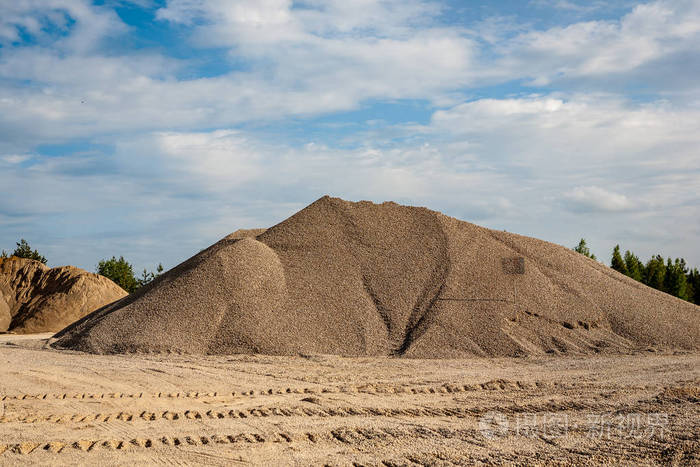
x,y
151,129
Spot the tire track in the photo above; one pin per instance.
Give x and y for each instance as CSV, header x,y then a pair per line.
x,y
378,388
347,436
311,411
256,412
343,435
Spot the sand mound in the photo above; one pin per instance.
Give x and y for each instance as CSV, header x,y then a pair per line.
x,y
34,298
365,279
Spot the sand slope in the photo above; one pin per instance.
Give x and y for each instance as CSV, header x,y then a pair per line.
x,y
34,298
366,279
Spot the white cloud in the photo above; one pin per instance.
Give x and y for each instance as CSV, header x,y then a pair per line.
x,y
595,198
224,162
317,59
254,19
83,24
650,31
349,51
586,6
216,160
579,132
322,58
15,158
566,5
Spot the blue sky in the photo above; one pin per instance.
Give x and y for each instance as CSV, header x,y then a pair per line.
x,y
151,129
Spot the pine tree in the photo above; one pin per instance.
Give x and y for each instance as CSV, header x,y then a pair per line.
x,y
617,263
635,268
693,287
675,280
583,249
23,250
146,277
655,272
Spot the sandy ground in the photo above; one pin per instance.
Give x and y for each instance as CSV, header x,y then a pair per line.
x,y
70,408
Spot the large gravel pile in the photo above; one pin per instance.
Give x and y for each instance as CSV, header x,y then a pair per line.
x,y
366,279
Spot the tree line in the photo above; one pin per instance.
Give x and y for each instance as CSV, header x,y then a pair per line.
x,y
120,271
671,276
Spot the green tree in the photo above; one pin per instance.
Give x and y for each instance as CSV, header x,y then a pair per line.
x,y
635,268
23,250
675,280
617,263
147,277
120,271
655,272
694,286
583,249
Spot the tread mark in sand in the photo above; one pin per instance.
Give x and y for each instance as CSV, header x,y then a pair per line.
x,y
290,412
376,388
344,435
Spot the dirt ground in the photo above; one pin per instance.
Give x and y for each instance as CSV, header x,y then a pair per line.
x,y
70,408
